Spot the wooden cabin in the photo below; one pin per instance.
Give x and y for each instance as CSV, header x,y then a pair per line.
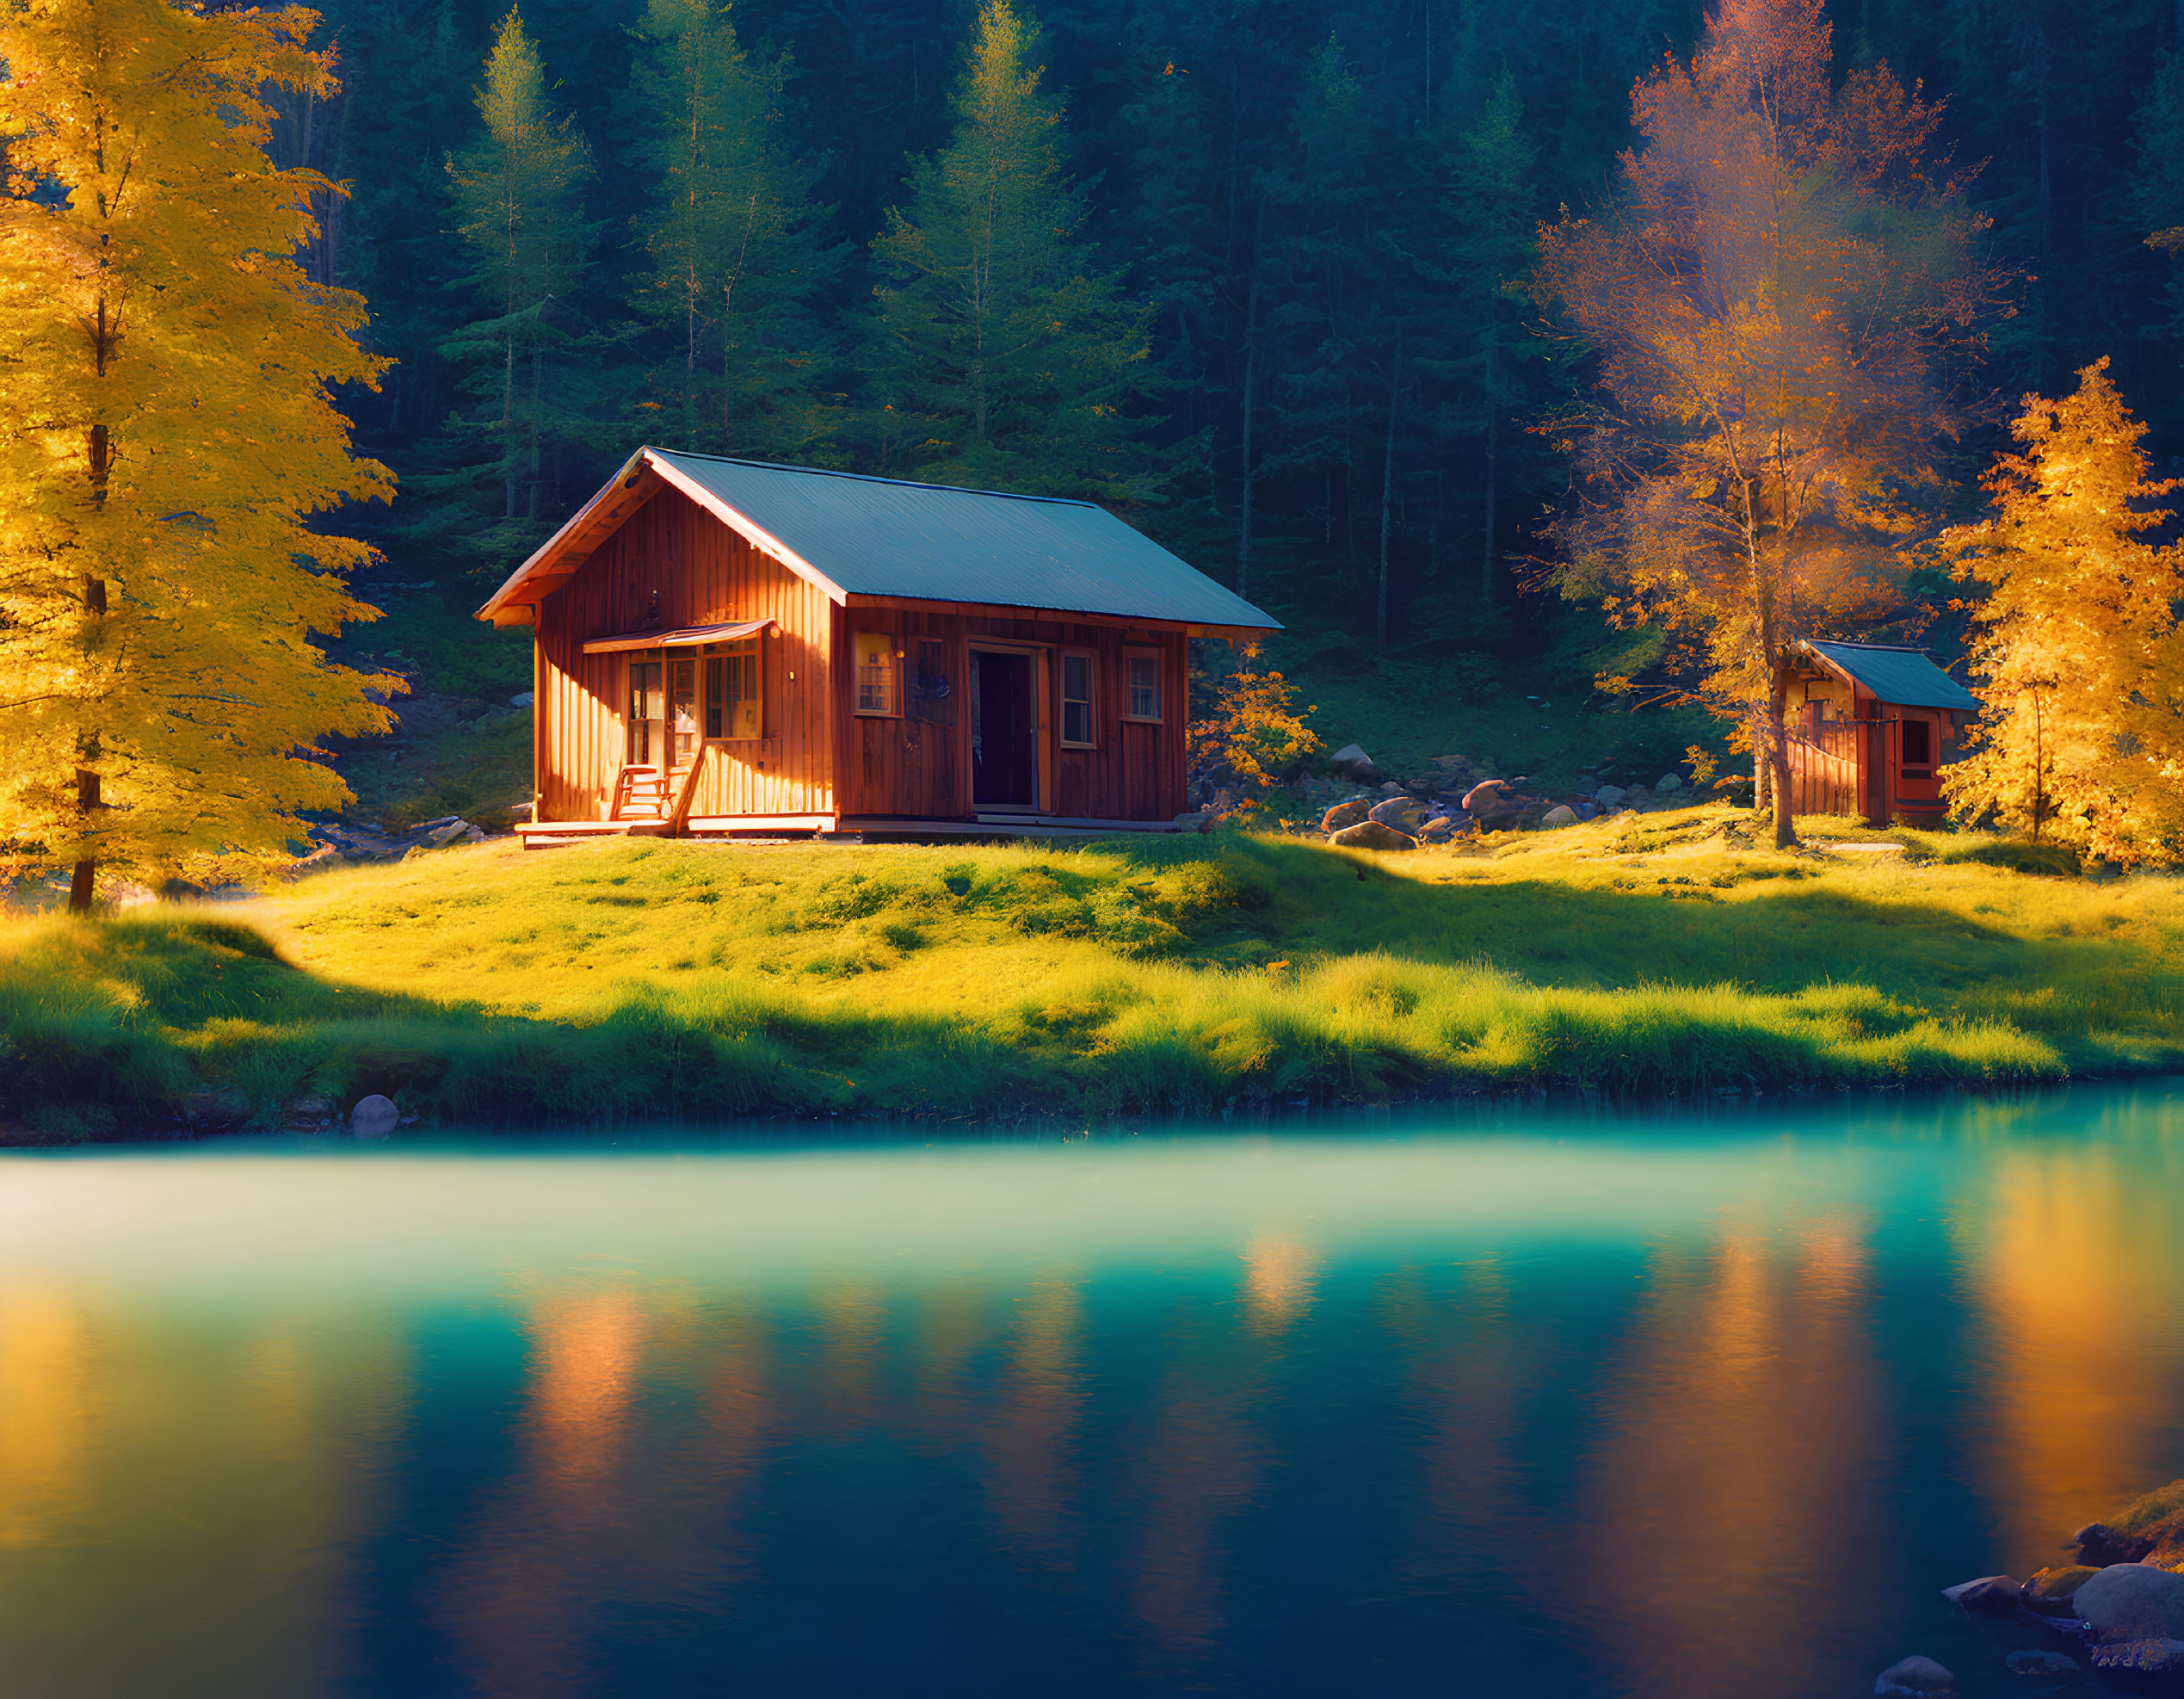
x,y
1871,726
725,647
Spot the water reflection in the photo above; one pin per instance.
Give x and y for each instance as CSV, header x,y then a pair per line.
x,y
1625,1414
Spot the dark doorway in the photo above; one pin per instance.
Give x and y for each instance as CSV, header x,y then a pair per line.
x,y
1004,746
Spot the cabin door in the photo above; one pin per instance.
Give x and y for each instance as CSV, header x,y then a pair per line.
x,y
647,720
1004,729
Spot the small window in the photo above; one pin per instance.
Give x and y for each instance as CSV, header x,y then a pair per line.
x,y
647,712
1918,744
732,696
1077,700
1142,700
879,674
682,711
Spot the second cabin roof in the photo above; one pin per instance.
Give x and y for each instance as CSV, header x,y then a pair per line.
x,y
857,535
1894,673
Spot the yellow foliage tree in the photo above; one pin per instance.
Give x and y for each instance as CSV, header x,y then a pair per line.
x,y
2076,637
1255,729
168,436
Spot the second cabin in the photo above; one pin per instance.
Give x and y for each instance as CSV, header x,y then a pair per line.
x,y
1871,726
721,646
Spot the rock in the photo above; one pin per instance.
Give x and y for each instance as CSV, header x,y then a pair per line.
x,y
2148,1527
1372,835
1489,797
2040,1663
1638,793
1200,821
1391,788
1396,812
1439,830
215,1111
1915,1678
521,811
1350,813
312,1114
373,1117
1669,782
2051,1592
524,700
1351,762
1609,795
473,835
2130,1601
2151,1656
180,890
435,836
1562,814
1990,1595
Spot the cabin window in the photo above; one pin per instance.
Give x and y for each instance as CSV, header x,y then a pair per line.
x,y
879,674
1077,700
1918,742
732,696
682,710
647,710
1142,698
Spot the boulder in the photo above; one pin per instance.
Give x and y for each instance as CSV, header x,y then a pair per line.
x,y
2051,1592
1199,820
2140,1656
1372,835
310,1114
373,1117
1915,1678
1490,802
2131,1600
521,811
1669,782
1990,1595
2040,1663
1396,812
1439,830
1353,812
1636,795
523,699
1351,762
1562,814
1609,795
2148,1527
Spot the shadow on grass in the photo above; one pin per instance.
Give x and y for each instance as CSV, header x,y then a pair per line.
x,y
1257,971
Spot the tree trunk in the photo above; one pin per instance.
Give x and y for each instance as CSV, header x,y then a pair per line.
x,y
1778,739
1493,477
1387,497
79,887
1250,408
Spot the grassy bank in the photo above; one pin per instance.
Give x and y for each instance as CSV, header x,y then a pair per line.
x,y
651,980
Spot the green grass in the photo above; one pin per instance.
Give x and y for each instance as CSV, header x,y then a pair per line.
x,y
659,979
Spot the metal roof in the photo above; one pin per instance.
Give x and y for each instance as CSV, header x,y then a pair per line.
x,y
682,637
1891,673
932,542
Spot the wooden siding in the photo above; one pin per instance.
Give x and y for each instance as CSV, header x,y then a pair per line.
x,y
673,564
919,765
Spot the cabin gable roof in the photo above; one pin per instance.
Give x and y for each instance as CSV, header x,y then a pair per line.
x,y
855,535
1894,673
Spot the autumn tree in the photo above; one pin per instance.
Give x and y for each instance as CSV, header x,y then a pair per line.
x,y
518,202
171,441
736,258
2076,636
1002,354
1773,310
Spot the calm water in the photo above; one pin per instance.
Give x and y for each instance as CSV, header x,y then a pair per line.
x,y
1516,1405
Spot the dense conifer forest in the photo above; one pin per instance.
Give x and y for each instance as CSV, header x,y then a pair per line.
x,y
1286,243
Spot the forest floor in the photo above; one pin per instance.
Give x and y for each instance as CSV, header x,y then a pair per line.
x,y
1665,953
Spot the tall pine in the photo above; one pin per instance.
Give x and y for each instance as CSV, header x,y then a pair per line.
x,y
737,267
2077,638
527,358
1001,354
166,576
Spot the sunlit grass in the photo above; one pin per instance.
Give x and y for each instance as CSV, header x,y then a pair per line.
x,y
638,980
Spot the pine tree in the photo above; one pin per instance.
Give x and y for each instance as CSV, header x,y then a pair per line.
x,y
2077,638
739,262
165,363
518,208
1002,355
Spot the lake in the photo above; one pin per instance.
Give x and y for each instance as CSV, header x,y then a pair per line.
x,y
1493,1402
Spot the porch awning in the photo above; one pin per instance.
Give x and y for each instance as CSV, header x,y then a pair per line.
x,y
683,637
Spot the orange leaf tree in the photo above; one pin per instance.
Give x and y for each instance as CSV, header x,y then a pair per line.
x,y
1771,314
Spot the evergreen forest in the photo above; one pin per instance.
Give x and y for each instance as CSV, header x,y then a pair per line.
x,y
1285,244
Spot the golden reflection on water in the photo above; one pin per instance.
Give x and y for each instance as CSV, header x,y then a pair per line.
x,y
1031,1473
1281,1276
2076,1261
1729,1486
45,1409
